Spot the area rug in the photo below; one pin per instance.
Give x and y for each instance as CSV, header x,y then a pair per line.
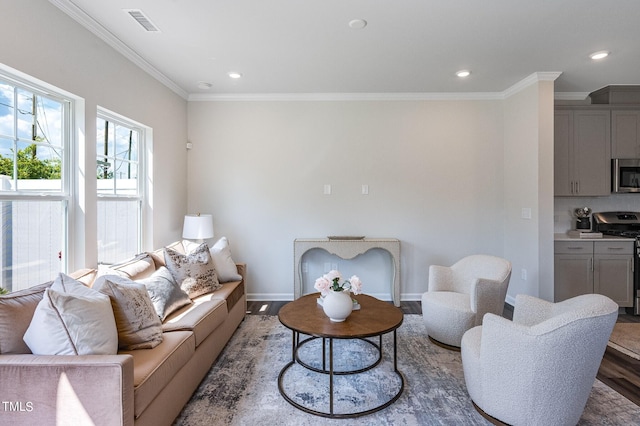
x,y
242,386
626,339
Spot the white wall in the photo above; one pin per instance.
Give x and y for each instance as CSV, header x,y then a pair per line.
x,y
528,184
434,170
38,39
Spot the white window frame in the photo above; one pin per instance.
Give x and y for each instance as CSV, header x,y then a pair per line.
x,y
143,135
66,194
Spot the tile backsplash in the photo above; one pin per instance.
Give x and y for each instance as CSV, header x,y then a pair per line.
x,y
564,218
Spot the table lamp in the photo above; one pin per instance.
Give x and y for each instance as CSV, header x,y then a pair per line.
x,y
197,227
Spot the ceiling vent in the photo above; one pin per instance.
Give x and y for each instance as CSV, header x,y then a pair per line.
x,y
142,19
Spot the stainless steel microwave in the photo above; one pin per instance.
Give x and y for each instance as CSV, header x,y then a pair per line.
x,y
625,175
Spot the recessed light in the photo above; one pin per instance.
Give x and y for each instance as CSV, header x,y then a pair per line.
x,y
204,85
599,55
463,73
357,24
234,75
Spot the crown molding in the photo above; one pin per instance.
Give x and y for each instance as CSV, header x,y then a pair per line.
x,y
571,96
533,78
315,97
80,16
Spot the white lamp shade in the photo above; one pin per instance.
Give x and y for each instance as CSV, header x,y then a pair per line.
x,y
197,226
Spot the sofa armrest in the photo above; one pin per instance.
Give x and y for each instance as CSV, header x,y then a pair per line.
x,y
88,389
242,270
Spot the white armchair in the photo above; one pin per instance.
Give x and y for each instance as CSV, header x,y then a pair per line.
x,y
458,296
539,368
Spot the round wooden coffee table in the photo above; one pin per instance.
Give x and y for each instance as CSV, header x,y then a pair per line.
x,y
374,319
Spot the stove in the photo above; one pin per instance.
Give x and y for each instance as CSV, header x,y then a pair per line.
x,y
623,224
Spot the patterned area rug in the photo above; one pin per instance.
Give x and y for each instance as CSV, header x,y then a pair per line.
x,y
242,386
626,339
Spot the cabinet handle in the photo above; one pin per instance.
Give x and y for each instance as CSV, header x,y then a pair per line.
x,y
577,187
592,262
575,248
615,248
572,187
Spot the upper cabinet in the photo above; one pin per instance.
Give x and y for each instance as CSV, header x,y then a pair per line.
x,y
625,134
582,152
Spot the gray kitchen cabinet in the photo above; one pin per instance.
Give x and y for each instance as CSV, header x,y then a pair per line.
x,y
582,152
625,134
603,267
573,269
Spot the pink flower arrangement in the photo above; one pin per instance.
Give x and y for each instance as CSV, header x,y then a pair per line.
x,y
331,282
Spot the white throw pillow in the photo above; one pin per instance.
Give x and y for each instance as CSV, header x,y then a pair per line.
x,y
72,319
225,266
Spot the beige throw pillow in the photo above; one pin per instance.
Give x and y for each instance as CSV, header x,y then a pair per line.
x,y
138,324
194,272
72,319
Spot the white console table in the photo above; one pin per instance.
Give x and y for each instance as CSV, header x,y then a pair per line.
x,y
346,249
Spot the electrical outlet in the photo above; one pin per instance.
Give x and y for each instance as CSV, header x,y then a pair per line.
x,y
305,267
523,274
327,189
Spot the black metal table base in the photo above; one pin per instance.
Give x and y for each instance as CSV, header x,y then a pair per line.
x,y
297,344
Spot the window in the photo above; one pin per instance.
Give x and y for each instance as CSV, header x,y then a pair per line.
x,y
118,148
34,183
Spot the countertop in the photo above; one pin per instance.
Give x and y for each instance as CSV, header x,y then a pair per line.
x,y
565,237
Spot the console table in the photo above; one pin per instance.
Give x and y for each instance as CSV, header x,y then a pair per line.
x,y
346,249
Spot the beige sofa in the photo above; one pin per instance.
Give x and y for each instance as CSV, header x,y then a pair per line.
x,y
141,387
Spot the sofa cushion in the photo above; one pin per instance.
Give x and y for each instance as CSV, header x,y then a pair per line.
x,y
194,272
16,312
72,319
138,324
202,318
140,266
158,255
165,293
154,368
230,292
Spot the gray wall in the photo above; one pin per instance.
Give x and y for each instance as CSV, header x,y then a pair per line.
x,y
435,170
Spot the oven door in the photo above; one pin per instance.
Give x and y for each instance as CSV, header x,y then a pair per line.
x,y
625,175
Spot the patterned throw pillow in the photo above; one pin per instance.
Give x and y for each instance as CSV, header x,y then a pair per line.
x,y
194,272
138,324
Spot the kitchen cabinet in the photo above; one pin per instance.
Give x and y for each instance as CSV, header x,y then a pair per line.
x,y
582,152
625,134
603,267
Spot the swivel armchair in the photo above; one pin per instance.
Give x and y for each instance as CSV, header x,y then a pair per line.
x,y
539,368
458,296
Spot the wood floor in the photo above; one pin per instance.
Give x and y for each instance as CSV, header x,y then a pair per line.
x,y
617,370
